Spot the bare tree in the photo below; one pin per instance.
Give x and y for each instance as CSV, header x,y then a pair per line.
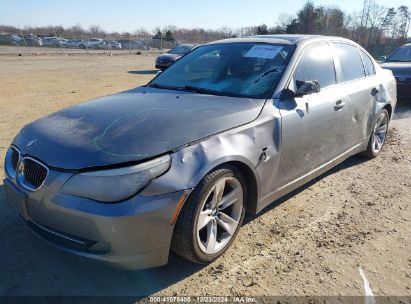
x,y
404,17
284,19
365,15
376,18
96,31
141,33
332,21
384,29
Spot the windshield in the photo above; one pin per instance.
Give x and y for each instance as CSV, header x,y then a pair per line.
x,y
403,54
181,49
232,69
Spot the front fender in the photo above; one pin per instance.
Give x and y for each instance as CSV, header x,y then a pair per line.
x,y
244,144
190,164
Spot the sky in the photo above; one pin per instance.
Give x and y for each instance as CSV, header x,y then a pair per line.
x,y
129,15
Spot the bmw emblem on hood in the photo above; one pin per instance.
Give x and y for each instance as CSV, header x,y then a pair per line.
x,y
31,143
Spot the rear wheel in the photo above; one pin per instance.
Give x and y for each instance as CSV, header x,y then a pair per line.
x,y
378,135
211,216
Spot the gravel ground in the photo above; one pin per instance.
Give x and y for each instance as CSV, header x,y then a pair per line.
x,y
312,242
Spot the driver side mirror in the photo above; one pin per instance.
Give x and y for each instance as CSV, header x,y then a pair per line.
x,y
306,87
382,58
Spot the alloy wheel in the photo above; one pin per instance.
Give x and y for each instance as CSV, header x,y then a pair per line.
x,y
379,133
220,215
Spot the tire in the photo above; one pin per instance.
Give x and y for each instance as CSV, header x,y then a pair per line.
x,y
378,135
187,240
82,46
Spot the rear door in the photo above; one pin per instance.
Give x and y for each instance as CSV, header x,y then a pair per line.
x,y
313,126
358,80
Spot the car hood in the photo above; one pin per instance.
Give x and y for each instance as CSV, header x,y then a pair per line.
x,y
131,126
398,68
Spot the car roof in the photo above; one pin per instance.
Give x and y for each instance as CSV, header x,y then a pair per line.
x,y
186,44
282,39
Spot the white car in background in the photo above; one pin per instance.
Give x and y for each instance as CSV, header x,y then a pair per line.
x,y
54,41
108,45
128,44
72,43
90,43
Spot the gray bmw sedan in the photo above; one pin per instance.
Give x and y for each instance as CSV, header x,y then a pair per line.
x,y
176,164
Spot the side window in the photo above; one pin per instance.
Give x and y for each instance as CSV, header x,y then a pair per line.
x,y
350,60
316,63
205,64
368,64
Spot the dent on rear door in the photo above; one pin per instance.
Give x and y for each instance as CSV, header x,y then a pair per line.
x,y
361,105
358,87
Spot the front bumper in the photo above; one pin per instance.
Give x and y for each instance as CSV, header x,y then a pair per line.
x,y
132,234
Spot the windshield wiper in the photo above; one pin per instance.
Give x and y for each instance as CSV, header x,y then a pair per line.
x,y
203,91
265,74
190,89
160,86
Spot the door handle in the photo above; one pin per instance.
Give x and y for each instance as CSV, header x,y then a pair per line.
x,y
339,105
374,91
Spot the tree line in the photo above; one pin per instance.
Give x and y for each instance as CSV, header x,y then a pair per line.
x,y
378,28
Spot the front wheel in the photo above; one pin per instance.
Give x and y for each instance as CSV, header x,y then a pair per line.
x,y
211,217
378,135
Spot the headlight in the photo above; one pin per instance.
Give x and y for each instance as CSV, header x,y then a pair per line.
x,y
116,184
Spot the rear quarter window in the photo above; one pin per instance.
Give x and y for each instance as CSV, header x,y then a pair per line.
x,y
368,64
350,61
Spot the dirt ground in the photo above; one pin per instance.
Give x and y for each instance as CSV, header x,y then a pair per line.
x,y
312,242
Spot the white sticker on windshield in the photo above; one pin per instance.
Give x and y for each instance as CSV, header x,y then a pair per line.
x,y
263,51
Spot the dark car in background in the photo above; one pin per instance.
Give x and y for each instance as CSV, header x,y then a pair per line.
x,y
30,40
399,63
165,60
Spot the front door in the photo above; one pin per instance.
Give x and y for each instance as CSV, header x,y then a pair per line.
x,y
313,126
